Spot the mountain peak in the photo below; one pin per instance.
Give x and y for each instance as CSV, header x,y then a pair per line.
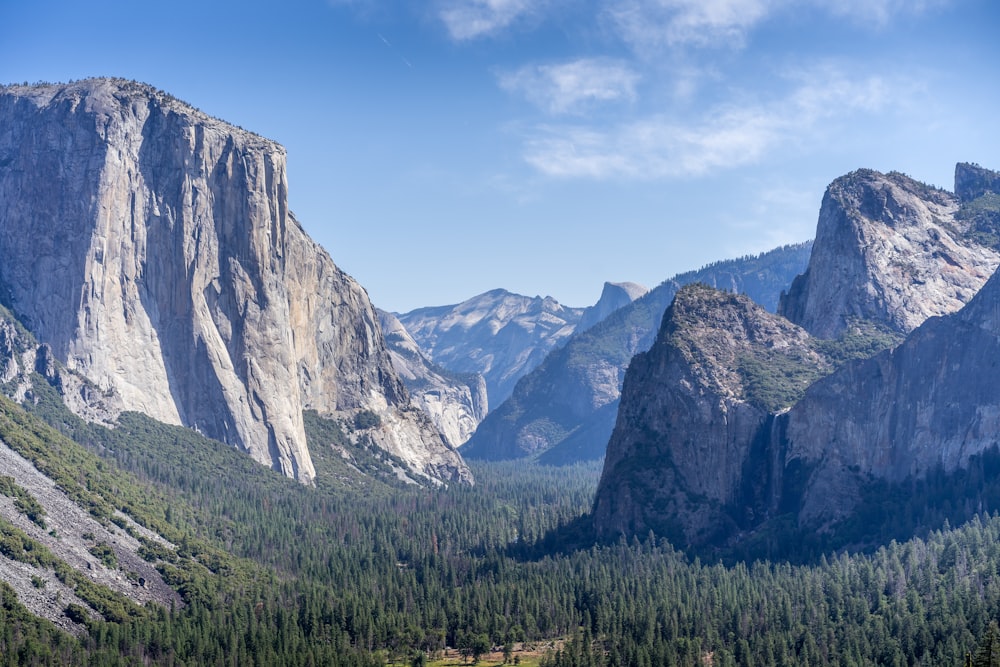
x,y
973,181
104,96
613,297
890,250
689,410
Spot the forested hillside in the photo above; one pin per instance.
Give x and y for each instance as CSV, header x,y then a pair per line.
x,y
361,570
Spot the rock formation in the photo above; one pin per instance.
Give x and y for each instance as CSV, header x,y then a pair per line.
x,y
565,409
456,403
888,250
152,248
691,409
613,297
930,403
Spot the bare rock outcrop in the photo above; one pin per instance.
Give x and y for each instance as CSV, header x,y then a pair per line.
x,y
456,403
152,248
691,409
733,419
23,361
613,297
931,403
889,250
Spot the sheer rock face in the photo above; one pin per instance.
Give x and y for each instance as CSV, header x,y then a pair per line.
x,y
697,458
456,403
889,250
151,247
933,401
689,416
23,361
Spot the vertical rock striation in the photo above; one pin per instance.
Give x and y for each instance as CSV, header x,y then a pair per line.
x,y
152,248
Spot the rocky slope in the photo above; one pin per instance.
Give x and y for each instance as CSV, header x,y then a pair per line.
x,y
695,457
456,403
76,538
498,334
151,247
566,408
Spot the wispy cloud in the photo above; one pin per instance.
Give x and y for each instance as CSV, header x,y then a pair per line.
x,y
879,13
469,19
660,146
652,24
573,87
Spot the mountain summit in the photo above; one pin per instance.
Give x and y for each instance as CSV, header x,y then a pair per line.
x,y
151,247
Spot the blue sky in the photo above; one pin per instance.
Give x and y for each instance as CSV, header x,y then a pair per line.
x,y
441,149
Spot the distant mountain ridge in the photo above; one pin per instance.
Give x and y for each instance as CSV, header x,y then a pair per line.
x,y
565,409
498,334
502,335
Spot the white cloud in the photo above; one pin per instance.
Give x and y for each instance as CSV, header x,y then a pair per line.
x,y
469,19
651,24
653,148
661,147
878,12
573,86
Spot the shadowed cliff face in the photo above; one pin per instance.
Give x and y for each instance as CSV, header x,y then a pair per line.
x,y
931,403
691,409
152,248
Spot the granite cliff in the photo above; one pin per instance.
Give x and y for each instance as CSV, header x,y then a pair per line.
x,y
151,248
930,404
888,250
730,427
613,297
455,402
691,409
